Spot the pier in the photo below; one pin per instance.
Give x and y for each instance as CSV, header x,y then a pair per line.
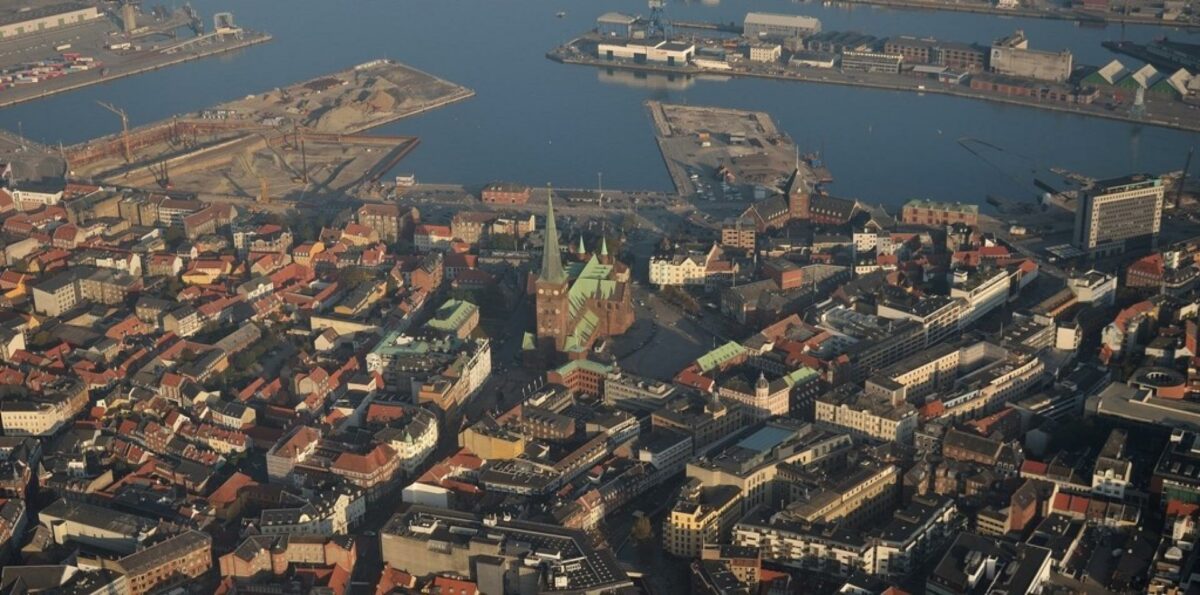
x,y
1165,114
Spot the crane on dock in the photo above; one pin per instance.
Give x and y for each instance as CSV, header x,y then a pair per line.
x,y
658,19
124,128
162,174
263,186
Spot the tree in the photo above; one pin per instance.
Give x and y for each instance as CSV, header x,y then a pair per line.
x,y
642,530
41,338
681,298
503,241
173,235
352,276
172,286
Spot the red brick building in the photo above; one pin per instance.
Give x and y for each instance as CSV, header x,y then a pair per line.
x,y
785,273
928,212
579,304
505,194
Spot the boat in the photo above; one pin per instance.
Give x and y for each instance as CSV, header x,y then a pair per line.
x,y
561,14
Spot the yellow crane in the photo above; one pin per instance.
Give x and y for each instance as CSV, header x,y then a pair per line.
x,y
263,196
124,128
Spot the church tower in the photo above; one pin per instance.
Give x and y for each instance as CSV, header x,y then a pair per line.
x,y
799,194
552,285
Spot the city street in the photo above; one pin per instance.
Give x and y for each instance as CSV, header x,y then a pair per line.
x,y
662,341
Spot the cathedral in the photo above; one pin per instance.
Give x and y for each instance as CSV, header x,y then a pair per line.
x,y
577,303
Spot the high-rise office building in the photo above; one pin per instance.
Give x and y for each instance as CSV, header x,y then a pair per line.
x,y
1118,214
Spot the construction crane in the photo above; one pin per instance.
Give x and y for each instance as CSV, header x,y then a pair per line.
x,y
657,24
263,197
124,128
162,174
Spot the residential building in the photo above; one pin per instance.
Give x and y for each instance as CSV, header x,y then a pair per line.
x,y
505,193
176,561
891,549
934,213
871,415
739,233
391,222
701,516
692,268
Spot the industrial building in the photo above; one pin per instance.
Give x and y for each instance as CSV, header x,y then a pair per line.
x,y
941,53
871,62
784,26
1011,56
765,52
1115,213
669,53
615,24
53,16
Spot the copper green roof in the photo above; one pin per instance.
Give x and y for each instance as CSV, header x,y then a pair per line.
x,y
592,278
715,358
578,339
451,315
552,269
799,376
585,364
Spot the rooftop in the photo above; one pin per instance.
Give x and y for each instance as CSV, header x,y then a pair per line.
x,y
952,207
583,566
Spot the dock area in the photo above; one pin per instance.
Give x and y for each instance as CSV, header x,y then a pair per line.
x,y
296,144
1162,112
721,155
76,55
1038,10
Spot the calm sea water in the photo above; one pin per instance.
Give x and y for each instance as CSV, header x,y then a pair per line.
x,y
537,121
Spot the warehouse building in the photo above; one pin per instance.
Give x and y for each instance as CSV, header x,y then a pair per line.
x,y
1011,56
615,24
766,24
47,17
669,53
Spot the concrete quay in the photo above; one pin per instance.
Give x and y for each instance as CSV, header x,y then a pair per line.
x,y
1179,117
1033,13
105,52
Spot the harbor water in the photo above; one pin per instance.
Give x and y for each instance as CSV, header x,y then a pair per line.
x,y
536,121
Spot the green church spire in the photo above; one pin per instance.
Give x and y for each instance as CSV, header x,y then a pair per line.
x,y
552,270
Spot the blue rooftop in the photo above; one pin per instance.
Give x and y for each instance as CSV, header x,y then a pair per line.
x,y
765,439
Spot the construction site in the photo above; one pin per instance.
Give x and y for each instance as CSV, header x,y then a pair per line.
x,y
726,155
288,146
